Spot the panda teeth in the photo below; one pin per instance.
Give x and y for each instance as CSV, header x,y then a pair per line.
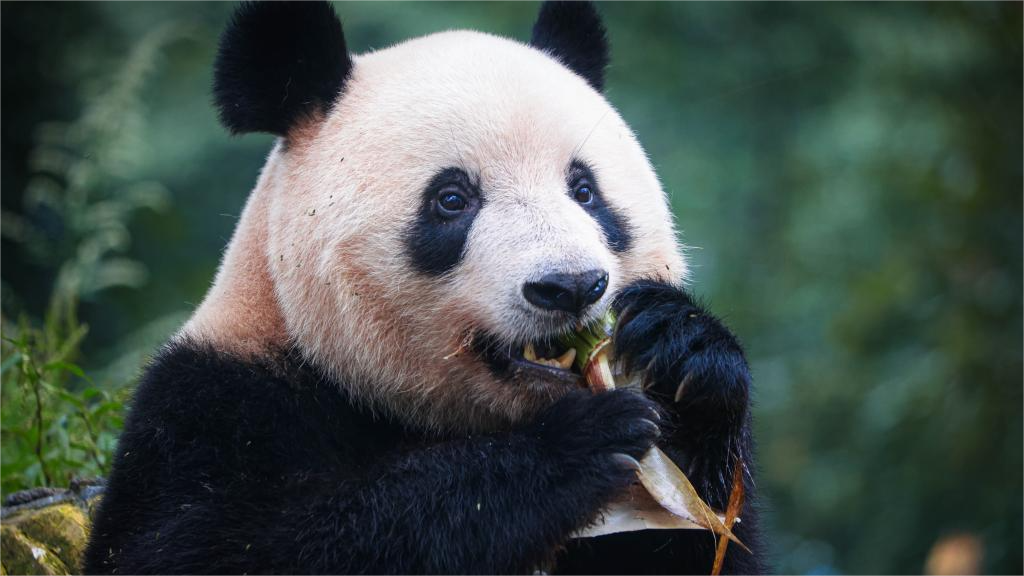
x,y
566,359
563,362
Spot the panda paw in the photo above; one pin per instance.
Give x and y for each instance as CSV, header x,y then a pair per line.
x,y
599,436
692,363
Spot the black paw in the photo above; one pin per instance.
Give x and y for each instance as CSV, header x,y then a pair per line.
x,y
599,435
689,359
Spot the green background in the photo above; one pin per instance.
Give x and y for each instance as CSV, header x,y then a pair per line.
x,y
847,176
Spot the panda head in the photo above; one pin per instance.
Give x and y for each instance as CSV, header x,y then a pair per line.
x,y
433,208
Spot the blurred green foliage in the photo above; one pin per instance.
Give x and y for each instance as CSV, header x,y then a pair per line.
x,y
848,177
55,424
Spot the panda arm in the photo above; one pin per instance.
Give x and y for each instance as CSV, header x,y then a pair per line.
x,y
681,345
696,369
490,504
224,468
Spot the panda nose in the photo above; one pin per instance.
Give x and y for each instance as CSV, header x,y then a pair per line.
x,y
567,292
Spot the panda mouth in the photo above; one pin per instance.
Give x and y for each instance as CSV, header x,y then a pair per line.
x,y
544,358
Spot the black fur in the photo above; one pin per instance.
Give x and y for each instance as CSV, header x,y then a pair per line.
x,y
435,244
231,467
279,62
613,224
573,33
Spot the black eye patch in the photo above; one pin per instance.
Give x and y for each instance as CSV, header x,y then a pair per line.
x,y
437,238
583,186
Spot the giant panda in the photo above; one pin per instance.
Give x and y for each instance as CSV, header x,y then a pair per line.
x,y
352,394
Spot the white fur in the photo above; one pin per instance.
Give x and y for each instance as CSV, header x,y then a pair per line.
x,y
324,226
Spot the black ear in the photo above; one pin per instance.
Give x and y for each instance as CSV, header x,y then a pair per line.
x,y
573,33
277,63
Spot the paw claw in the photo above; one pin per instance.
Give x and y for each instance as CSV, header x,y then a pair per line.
x,y
655,429
682,386
626,461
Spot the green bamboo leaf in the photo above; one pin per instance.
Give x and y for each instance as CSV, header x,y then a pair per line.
x,y
69,397
108,406
65,366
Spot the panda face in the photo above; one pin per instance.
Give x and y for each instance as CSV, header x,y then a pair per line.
x,y
467,196
435,213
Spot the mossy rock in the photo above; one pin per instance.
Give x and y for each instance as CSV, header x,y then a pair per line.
x,y
45,531
23,555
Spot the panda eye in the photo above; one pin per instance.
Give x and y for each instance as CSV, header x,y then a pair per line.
x,y
583,193
450,203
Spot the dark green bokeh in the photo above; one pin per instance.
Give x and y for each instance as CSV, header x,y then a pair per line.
x,y
847,175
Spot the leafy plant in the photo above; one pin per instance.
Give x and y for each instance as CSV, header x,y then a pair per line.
x,y
53,432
